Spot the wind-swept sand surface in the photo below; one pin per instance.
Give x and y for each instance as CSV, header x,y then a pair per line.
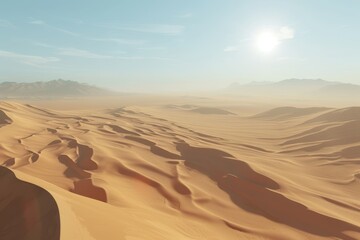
x,y
180,170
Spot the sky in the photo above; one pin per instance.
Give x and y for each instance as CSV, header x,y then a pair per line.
x,y
169,45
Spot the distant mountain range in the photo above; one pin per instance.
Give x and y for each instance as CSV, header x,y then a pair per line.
x,y
290,88
54,88
309,88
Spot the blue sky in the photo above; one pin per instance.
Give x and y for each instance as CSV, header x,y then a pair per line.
x,y
143,45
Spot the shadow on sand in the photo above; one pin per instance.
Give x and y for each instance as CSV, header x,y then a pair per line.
x,y
27,212
255,193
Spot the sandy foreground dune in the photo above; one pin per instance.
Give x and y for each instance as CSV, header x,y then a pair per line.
x,y
179,171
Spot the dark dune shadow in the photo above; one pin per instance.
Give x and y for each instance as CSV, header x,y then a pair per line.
x,y
211,110
255,148
86,188
344,205
141,140
4,119
278,208
73,170
10,162
153,148
119,129
252,192
216,164
84,160
83,185
54,142
51,130
27,212
163,153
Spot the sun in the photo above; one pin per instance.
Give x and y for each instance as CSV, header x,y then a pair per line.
x,y
267,41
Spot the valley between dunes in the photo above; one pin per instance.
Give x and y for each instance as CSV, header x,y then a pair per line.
x,y
180,171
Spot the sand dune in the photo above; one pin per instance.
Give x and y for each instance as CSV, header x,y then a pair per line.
x,y
200,109
27,211
149,172
342,134
338,115
286,113
210,110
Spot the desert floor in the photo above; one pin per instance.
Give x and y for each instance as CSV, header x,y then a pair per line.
x,y
180,168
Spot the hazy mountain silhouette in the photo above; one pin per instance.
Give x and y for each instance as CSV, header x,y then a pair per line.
x,y
308,88
54,88
340,90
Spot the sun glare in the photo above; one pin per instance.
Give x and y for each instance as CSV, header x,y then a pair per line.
x,y
267,41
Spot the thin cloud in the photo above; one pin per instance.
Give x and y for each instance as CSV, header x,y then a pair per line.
x,y
38,22
286,33
151,48
142,58
42,23
120,41
164,29
238,47
5,23
186,15
32,60
44,45
280,59
74,52
232,49
282,34
66,31
81,53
